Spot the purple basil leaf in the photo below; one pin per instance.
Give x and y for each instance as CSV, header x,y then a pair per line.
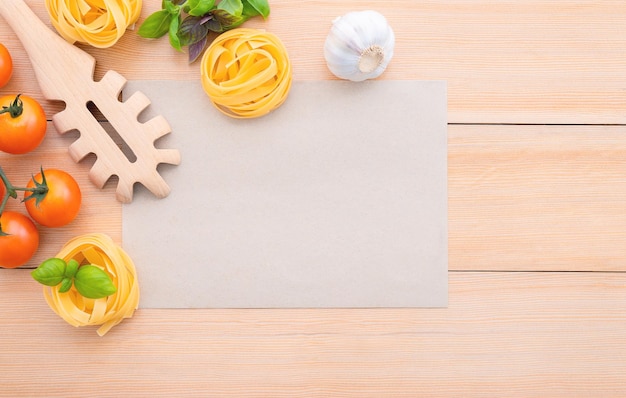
x,y
196,48
191,31
214,26
228,20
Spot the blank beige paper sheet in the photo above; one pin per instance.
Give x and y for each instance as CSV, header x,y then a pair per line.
x,y
336,199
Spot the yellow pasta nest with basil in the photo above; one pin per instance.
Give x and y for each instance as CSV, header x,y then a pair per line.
x,y
101,251
99,23
246,72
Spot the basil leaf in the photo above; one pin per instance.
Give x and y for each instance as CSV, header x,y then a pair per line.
x,y
192,30
71,268
201,17
156,25
196,48
213,25
261,7
174,39
227,20
171,7
249,11
92,282
197,8
233,7
50,272
66,284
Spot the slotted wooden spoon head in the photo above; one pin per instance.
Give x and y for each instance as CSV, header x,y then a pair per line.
x,y
65,73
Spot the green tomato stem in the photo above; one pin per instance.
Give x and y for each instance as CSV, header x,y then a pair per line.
x,y
15,109
9,192
39,190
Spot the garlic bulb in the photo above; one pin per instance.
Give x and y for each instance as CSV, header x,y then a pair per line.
x,y
359,45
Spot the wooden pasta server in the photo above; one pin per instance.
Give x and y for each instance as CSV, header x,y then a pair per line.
x,y
65,73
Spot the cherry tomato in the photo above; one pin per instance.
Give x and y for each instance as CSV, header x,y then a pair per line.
x,y
60,205
21,241
6,65
22,124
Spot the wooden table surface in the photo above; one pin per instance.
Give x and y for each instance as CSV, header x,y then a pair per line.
x,y
537,228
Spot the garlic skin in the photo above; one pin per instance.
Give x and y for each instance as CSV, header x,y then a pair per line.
x,y
359,45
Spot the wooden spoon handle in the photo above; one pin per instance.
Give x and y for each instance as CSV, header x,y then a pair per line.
x,y
60,67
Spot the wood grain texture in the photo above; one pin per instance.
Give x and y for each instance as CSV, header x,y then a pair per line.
x,y
521,198
504,334
505,62
537,198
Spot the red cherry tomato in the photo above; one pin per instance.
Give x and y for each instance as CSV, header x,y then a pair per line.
x,y
22,124
60,205
20,242
6,66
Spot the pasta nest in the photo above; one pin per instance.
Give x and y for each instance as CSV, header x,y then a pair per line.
x,y
99,23
246,72
101,251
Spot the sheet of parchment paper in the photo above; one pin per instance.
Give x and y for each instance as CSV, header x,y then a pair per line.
x,y
336,199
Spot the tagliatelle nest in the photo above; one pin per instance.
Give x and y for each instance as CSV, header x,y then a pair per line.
x,y
99,23
101,251
246,72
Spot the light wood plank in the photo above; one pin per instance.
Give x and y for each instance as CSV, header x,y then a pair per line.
x,y
505,62
537,198
504,334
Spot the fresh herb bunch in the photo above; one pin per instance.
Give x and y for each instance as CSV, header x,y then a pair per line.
x,y
188,22
90,281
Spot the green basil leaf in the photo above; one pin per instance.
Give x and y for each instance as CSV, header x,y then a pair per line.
x,y
50,272
71,268
192,30
173,30
260,7
156,25
172,8
92,282
66,284
197,8
249,11
233,7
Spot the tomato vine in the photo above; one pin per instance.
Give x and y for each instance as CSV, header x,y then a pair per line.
x,y
10,191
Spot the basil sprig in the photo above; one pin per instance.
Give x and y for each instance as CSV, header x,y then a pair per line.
x,y
89,280
188,22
